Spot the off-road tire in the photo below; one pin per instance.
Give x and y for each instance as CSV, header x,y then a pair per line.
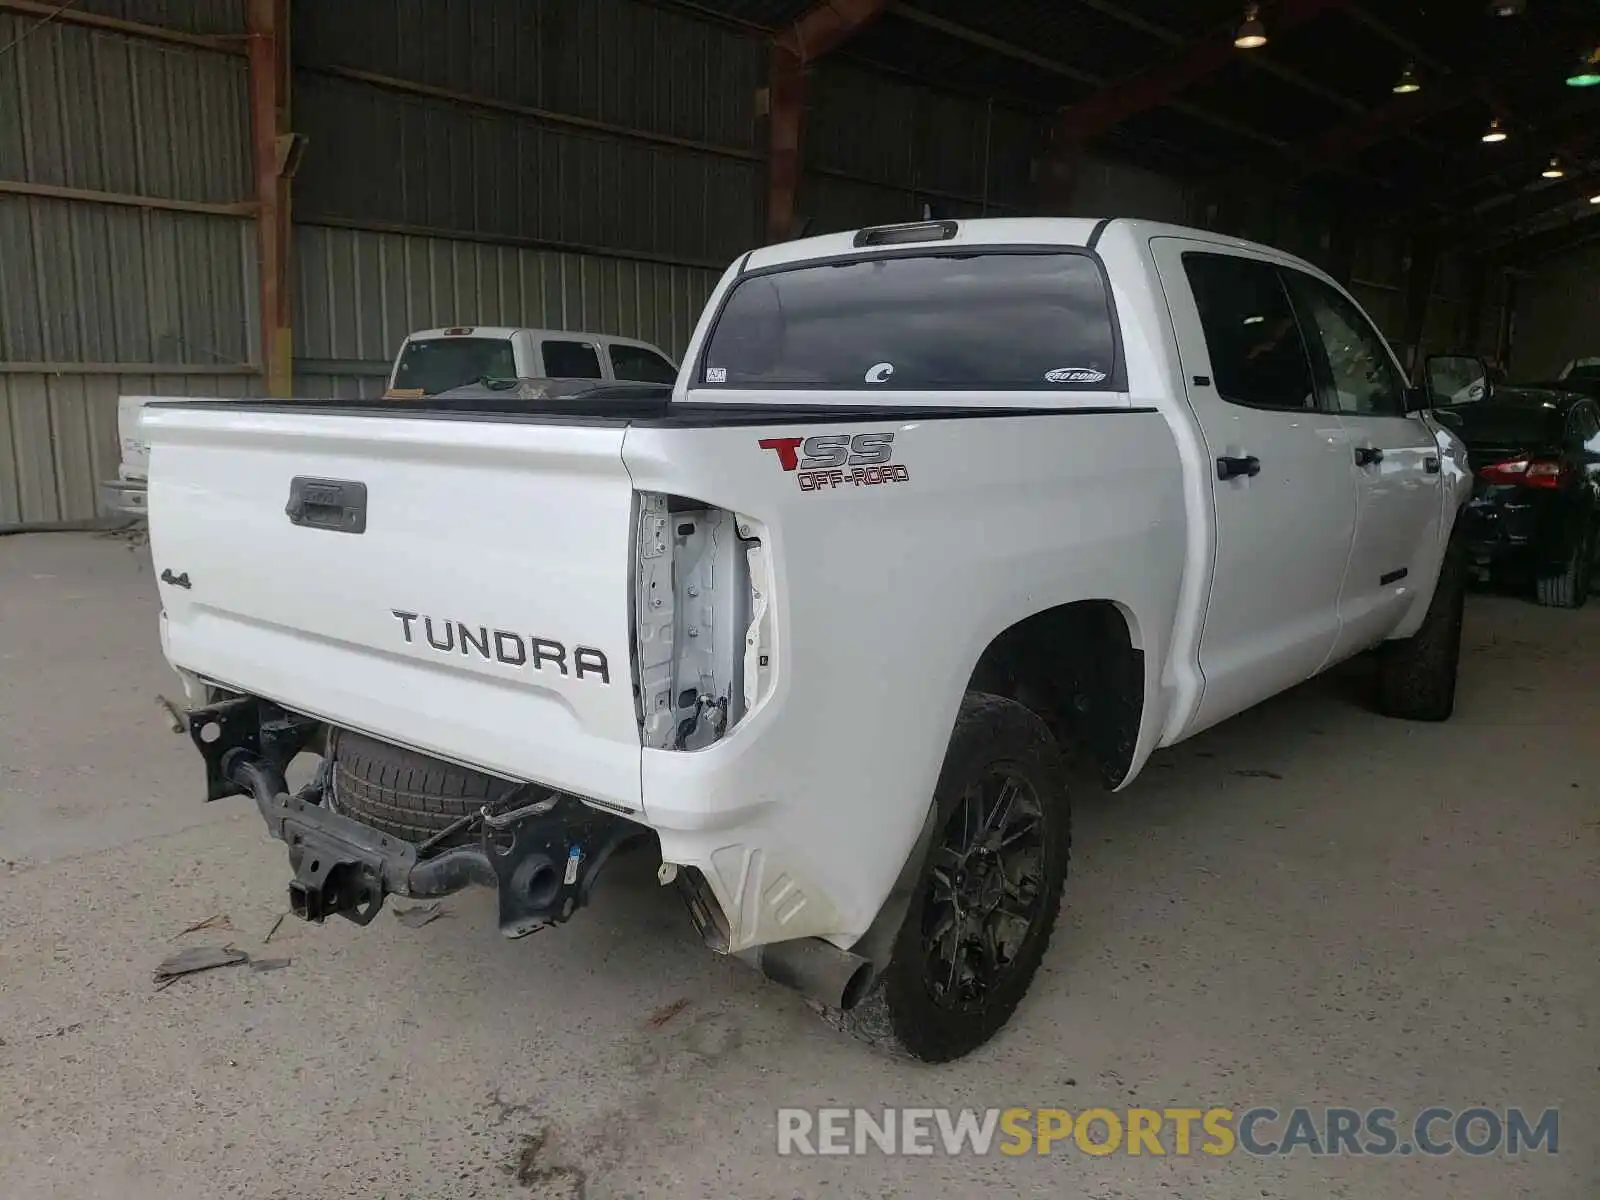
x,y
899,1013
1570,589
1417,675
402,792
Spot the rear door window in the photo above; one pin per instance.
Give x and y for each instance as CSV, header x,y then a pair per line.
x,y
438,364
986,320
571,360
1258,356
641,365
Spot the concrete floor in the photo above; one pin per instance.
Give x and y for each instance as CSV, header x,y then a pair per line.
x,y
1308,904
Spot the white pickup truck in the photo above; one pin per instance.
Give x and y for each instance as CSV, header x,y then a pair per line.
x,y
432,361
926,505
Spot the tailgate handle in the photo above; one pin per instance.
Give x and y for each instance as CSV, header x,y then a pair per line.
x,y
339,505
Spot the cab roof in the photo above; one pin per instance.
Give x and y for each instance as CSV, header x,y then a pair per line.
x,y
504,332
997,231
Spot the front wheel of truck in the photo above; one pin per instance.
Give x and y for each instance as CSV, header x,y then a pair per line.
x,y
1417,675
985,903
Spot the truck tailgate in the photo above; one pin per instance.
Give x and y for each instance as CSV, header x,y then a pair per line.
x,y
481,613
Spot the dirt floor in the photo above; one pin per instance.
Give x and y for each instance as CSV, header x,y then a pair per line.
x,y
1308,905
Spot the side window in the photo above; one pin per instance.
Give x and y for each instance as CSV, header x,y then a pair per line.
x,y
571,360
641,365
1258,357
1365,379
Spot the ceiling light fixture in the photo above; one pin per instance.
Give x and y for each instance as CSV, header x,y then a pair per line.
x,y
1553,169
1507,8
1407,83
1595,199
1496,131
1586,73
1251,34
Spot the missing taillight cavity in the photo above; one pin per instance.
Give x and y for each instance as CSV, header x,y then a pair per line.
x,y
700,621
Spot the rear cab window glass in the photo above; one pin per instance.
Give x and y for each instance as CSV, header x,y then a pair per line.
x,y
571,360
438,364
635,363
1258,356
977,320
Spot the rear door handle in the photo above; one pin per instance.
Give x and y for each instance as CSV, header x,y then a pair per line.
x,y
1367,456
1232,468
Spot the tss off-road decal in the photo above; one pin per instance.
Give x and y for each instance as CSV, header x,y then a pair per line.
x,y
834,460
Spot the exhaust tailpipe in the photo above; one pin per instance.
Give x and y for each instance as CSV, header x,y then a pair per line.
x,y
815,968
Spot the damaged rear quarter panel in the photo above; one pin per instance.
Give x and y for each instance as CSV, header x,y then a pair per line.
x,y
884,597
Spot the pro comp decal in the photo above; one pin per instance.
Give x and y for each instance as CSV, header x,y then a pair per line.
x,y
1075,375
835,460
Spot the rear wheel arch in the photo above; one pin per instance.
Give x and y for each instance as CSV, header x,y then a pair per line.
x,y
1080,667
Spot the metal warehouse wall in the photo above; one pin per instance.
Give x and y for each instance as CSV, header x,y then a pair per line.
x,y
359,293
576,163
126,261
880,149
1557,315
573,163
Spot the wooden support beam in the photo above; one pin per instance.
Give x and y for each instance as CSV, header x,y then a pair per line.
x,y
786,92
820,30
271,143
1156,86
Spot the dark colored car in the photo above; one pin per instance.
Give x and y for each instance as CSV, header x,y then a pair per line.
x,y
1582,375
1535,507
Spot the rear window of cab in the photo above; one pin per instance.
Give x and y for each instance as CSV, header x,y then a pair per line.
x,y
990,320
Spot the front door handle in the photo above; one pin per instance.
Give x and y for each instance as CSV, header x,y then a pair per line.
x,y
1232,468
1430,465
1368,456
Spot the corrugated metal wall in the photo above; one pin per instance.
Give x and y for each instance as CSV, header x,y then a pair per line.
x,y
90,109
1558,315
109,291
577,163
58,436
359,293
101,283
879,149
580,124
581,164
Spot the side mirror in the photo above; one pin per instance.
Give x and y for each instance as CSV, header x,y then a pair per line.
x,y
1456,379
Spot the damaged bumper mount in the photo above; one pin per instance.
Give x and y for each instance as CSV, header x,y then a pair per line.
x,y
542,858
